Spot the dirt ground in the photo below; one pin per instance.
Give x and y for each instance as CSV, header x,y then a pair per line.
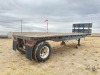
x,y
64,60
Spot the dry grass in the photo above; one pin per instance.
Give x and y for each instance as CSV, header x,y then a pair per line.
x,y
95,35
64,60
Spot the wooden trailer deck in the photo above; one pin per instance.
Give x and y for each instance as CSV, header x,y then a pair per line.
x,y
41,35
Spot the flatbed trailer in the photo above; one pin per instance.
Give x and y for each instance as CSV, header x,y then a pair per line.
x,y
35,47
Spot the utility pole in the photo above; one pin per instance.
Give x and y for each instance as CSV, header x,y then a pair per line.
x,y
21,26
47,24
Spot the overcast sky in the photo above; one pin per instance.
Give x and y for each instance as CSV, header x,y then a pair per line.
x,y
60,13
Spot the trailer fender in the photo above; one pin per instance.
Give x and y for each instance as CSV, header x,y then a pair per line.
x,y
14,45
29,50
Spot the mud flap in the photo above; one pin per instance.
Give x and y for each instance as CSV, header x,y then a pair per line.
x,y
29,52
14,45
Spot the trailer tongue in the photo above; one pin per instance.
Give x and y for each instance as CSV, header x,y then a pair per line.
x,y
35,47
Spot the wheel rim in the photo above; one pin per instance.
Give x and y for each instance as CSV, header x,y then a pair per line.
x,y
44,52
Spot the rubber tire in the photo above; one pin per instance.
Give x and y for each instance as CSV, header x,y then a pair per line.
x,y
36,51
21,51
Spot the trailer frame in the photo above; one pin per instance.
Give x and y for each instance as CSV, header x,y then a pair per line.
x,y
30,42
35,47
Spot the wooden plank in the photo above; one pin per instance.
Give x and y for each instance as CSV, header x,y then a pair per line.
x,y
43,34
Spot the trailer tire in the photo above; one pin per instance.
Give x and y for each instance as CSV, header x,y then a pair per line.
x,y
42,51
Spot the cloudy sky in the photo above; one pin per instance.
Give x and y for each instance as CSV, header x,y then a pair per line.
x,y
60,13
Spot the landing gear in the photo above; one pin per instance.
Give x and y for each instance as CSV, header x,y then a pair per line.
x,y
78,42
63,43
